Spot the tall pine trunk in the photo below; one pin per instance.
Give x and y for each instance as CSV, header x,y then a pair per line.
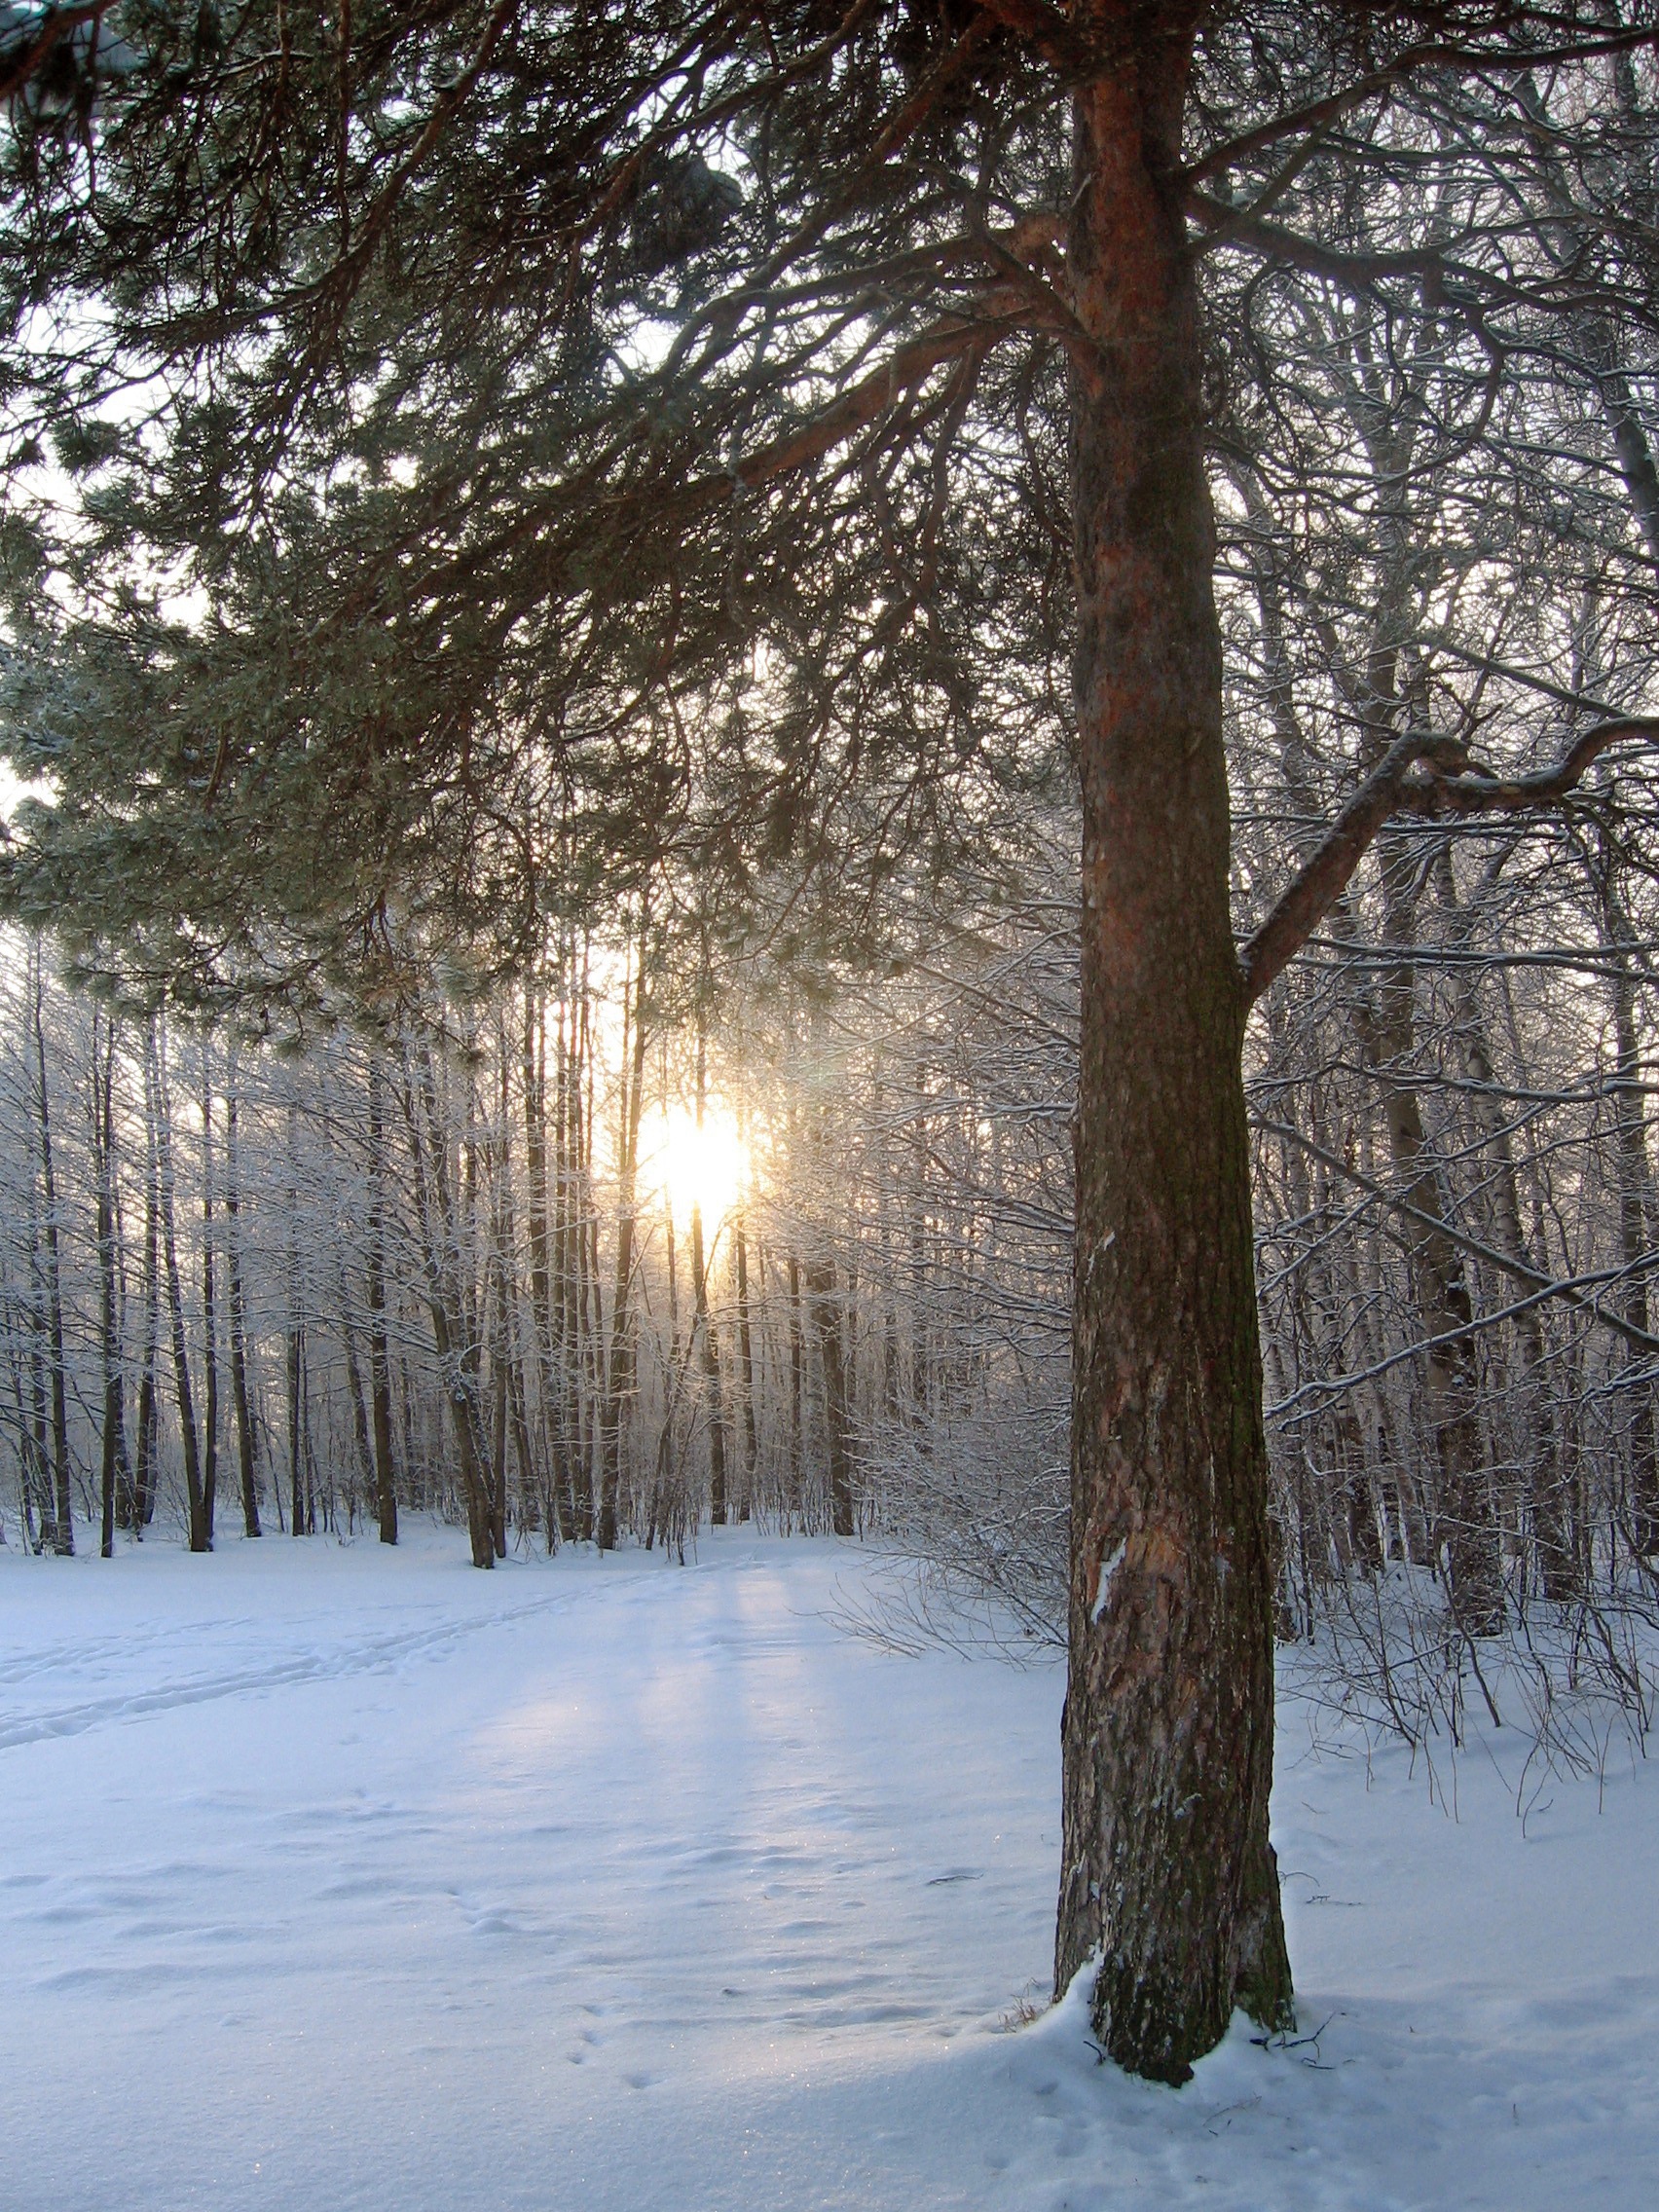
x,y
1168,1882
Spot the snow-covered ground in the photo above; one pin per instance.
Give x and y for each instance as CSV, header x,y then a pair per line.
x,y
338,1877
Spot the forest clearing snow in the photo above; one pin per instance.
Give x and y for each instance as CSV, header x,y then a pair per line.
x,y
333,1876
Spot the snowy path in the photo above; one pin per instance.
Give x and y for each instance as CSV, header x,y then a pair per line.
x,y
341,1878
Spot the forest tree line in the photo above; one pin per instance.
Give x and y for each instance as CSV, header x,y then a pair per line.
x,y
296,1283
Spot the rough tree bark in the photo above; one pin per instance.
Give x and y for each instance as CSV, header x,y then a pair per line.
x,y
1167,1877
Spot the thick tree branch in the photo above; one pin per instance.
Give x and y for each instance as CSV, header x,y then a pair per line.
x,y
338,283
1453,786
1047,32
910,366
591,509
1323,879
1476,790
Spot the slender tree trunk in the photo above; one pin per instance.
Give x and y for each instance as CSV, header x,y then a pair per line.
x,y
379,1362
40,1399
624,1350
238,1314
1549,1487
823,1302
504,1234
547,1313
744,1357
114,1442
666,1474
501,1394
708,1346
300,1514
1167,1877
702,1324
455,1344
200,1538
578,1271
27,1476
144,1468
354,1390
63,1498
209,1312
1635,1212
474,1297
1466,1522
797,1383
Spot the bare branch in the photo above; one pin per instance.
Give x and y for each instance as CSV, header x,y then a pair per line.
x,y
1544,1286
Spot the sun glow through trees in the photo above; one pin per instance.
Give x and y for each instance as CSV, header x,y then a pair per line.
x,y
683,1166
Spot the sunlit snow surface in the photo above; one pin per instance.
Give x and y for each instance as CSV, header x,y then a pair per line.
x,y
338,1877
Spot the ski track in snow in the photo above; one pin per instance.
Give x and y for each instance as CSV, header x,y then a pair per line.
x,y
340,1878
353,1655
